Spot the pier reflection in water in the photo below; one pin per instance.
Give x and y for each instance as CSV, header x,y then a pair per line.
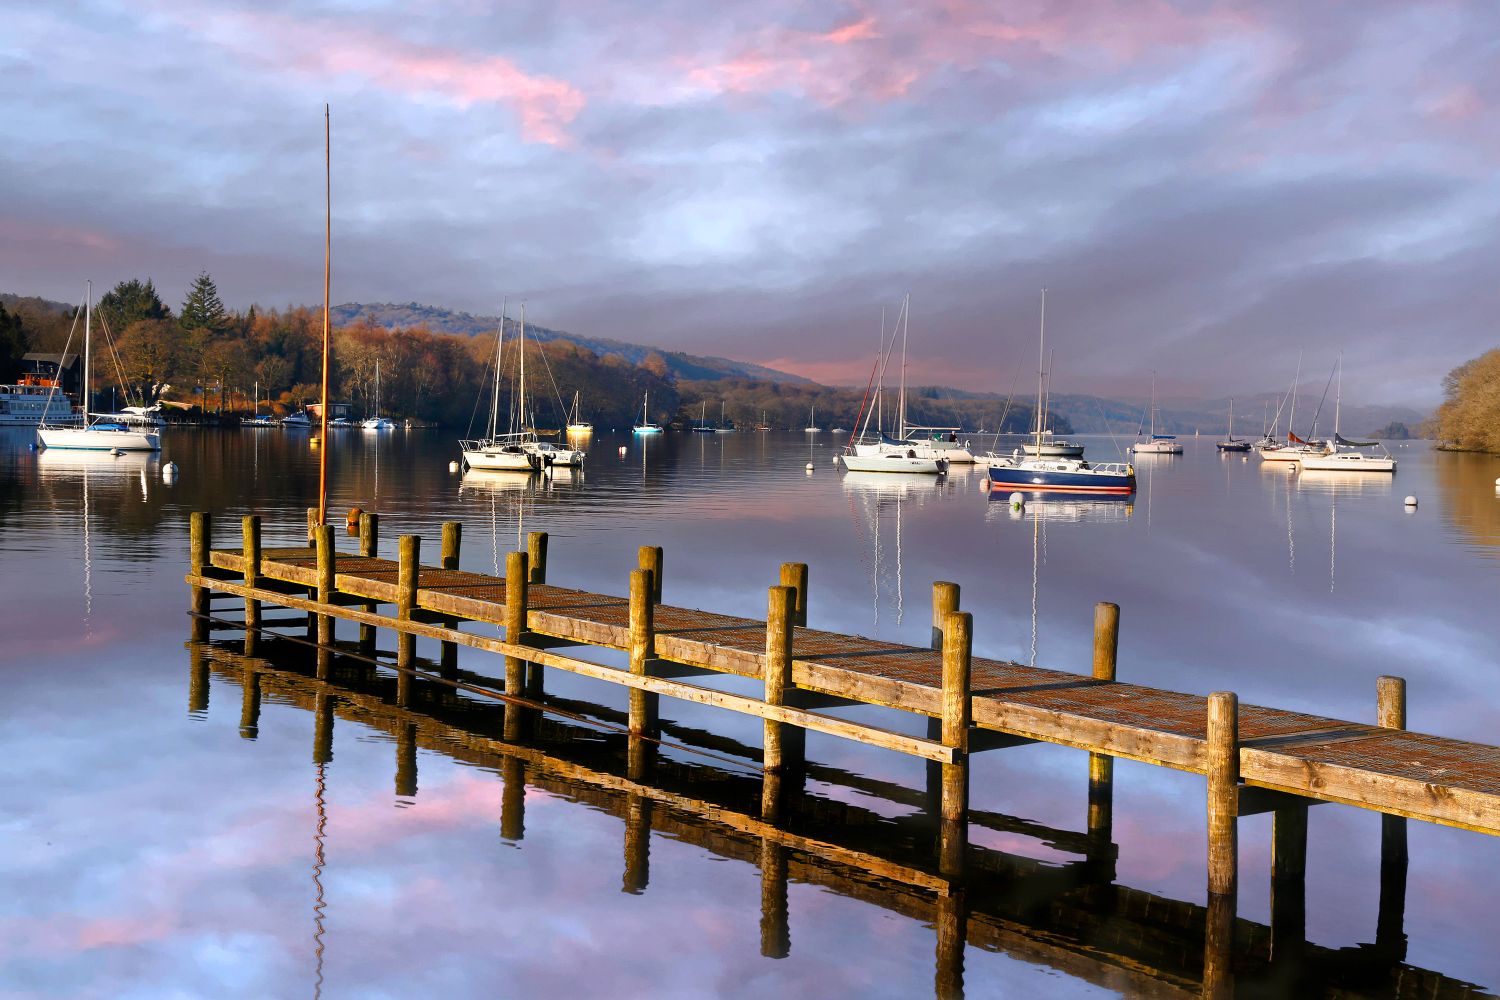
x,y
876,848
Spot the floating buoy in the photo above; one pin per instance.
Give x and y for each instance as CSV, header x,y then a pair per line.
x,y
622,451
452,466
809,466
169,472
1017,500
351,523
1411,501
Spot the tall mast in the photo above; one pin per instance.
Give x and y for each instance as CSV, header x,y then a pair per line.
x,y
499,353
88,337
521,391
1338,400
879,381
905,328
1291,420
1041,373
327,277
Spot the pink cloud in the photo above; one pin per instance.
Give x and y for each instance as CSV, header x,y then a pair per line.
x,y
1460,104
545,105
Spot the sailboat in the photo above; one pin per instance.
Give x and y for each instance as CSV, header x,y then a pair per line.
x,y
1054,475
812,422
701,427
101,435
1232,443
724,425
576,424
258,420
884,454
1295,448
499,452
377,422
646,426
912,439
1156,444
1339,460
547,453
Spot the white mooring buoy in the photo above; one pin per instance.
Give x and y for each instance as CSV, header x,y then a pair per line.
x,y
1411,501
452,466
169,472
1017,500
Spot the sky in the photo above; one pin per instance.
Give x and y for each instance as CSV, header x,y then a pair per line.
x,y
1205,187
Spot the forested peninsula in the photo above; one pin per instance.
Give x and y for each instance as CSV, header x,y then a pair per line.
x,y
204,358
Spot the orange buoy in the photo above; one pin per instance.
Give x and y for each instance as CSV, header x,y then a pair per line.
x,y
351,523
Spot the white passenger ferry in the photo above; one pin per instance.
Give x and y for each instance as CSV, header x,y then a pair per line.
x,y
27,403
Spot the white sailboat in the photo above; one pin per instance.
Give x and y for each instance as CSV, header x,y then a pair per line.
x,y
1157,444
577,426
885,454
547,453
1344,456
912,439
377,422
812,422
646,426
101,435
1294,449
499,452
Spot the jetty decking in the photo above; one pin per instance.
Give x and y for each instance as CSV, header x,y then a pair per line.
x,y
1256,759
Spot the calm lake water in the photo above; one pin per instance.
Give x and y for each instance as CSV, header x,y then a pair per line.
x,y
161,841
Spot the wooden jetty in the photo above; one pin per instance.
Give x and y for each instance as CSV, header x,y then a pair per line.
x,y
1255,759
1067,916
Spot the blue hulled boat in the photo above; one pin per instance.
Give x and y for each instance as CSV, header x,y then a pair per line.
x,y
1063,475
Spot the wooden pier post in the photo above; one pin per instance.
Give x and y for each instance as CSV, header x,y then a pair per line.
x,y
408,577
513,799
1288,881
1102,766
944,603
779,616
951,921
1390,935
536,551
312,592
249,703
650,558
369,547
250,533
644,705
1222,760
327,556
406,760
453,533
536,557
515,632
200,531
794,575
953,831
313,521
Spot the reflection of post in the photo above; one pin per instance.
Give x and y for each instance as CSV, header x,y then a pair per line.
x,y
250,528
197,680
323,728
952,924
1102,766
1288,881
953,831
775,923
406,760
250,703
409,556
199,531
638,820
369,545
313,520
453,533
515,632
1390,935
1218,947
513,799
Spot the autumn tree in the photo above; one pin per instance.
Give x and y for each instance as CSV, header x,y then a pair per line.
x,y
1469,417
151,351
13,343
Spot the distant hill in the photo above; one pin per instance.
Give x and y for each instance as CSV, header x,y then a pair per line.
x,y
1095,415
692,367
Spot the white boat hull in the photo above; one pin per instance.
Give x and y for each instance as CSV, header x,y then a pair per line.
x,y
499,461
1157,448
1347,461
98,439
1291,454
894,463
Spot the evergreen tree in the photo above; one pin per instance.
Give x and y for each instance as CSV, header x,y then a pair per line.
x,y
128,303
13,344
203,309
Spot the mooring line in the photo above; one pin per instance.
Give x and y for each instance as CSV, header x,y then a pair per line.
x,y
476,689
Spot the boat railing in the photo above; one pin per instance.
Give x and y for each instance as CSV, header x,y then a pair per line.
x,y
1112,468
